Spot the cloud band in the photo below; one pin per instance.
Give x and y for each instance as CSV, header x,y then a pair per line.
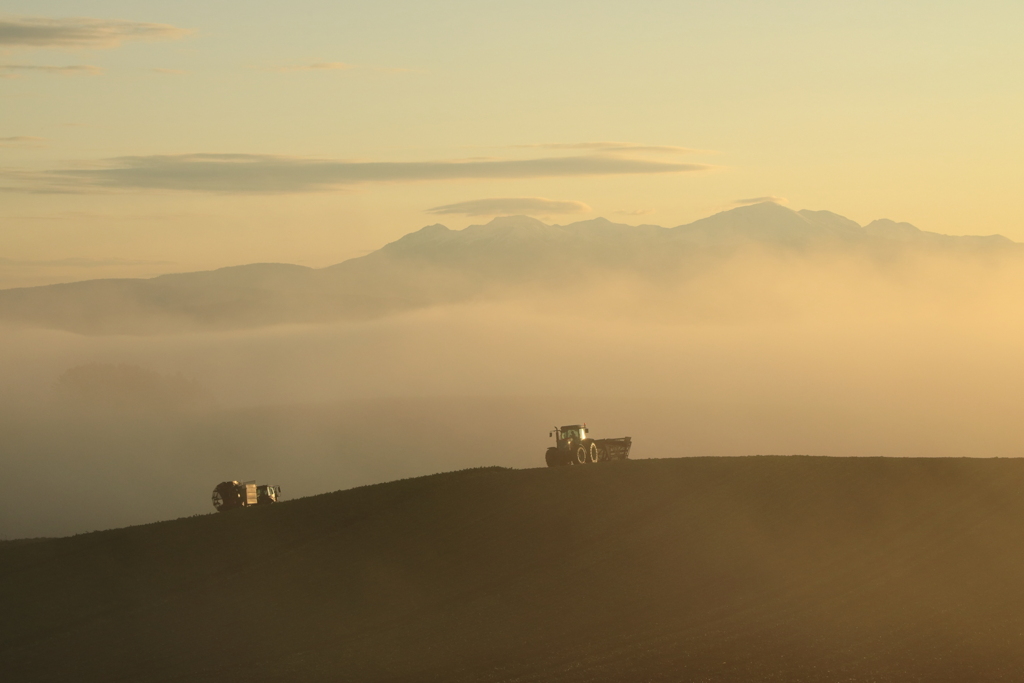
x,y
612,147
529,206
12,70
246,173
759,200
79,32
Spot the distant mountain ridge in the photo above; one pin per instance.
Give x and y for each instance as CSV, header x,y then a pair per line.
x,y
766,224
437,265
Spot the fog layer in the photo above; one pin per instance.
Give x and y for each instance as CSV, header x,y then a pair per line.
x,y
762,355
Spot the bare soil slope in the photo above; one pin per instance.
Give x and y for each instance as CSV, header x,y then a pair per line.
x,y
700,569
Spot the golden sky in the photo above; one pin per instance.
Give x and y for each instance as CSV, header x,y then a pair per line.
x,y
145,137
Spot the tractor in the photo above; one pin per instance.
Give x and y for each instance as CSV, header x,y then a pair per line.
x,y
229,495
573,446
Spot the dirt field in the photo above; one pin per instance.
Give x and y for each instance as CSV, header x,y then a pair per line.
x,y
700,569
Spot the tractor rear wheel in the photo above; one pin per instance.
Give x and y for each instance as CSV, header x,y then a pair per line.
x,y
581,455
594,453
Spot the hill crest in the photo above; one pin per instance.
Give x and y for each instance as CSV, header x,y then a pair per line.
x,y
727,569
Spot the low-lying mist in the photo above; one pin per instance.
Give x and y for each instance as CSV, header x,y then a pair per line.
x,y
762,355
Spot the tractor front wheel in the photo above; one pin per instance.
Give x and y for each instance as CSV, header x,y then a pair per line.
x,y
554,458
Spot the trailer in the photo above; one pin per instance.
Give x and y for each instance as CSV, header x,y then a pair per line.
x,y
574,446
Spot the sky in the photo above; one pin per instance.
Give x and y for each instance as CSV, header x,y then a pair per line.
x,y
143,137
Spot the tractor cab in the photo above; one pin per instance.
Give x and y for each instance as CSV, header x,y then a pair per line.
x,y
267,494
568,436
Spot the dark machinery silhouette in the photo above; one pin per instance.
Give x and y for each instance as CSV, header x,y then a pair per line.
x,y
229,495
573,446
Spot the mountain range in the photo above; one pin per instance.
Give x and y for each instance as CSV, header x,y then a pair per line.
x,y
436,265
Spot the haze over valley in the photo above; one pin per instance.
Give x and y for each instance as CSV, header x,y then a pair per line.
x,y
757,330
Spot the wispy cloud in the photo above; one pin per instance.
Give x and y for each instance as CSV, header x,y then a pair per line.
x,y
635,212
107,216
759,200
497,206
250,173
14,70
319,66
21,141
21,31
613,147
341,66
